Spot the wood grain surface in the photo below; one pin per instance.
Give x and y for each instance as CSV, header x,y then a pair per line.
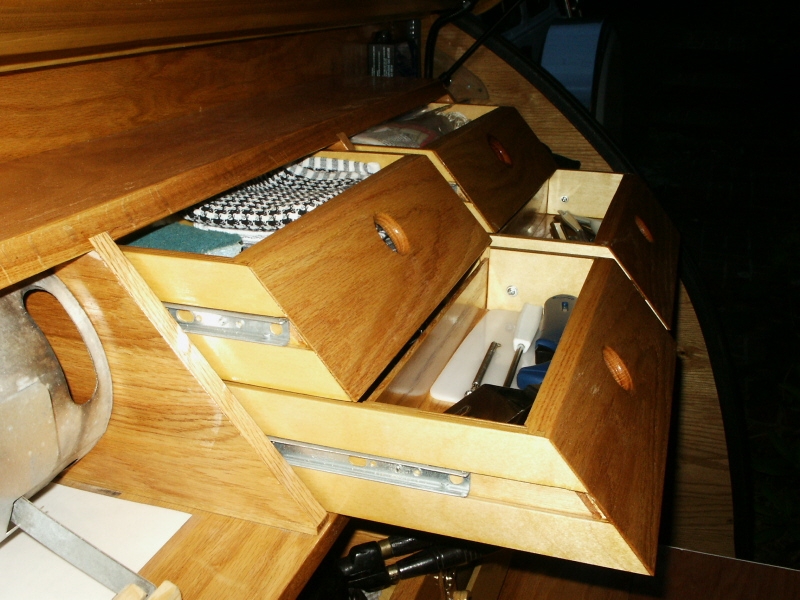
x,y
498,190
50,31
176,434
613,435
355,301
498,523
213,556
201,280
56,200
506,87
409,435
44,109
645,243
700,502
588,193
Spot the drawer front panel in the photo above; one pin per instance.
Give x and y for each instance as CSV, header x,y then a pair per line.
x,y
605,404
498,162
644,242
353,299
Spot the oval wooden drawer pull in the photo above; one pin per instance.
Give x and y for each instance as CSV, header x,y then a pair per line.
x,y
499,150
644,229
619,371
392,234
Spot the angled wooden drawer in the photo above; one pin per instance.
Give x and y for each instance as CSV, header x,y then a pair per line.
x,y
635,231
582,479
350,301
495,160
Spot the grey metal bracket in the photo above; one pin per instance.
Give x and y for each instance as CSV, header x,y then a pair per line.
x,y
74,549
374,468
273,331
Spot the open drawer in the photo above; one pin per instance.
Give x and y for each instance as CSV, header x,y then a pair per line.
x,y
582,479
329,286
495,160
633,229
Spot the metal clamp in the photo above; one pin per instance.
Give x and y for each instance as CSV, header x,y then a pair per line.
x,y
374,468
75,550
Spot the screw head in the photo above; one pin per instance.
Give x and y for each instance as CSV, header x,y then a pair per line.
x,y
512,290
565,198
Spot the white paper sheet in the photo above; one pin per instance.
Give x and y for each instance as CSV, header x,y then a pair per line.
x,y
130,532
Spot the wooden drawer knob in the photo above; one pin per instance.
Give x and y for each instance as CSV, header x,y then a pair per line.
x,y
499,150
644,229
392,234
619,371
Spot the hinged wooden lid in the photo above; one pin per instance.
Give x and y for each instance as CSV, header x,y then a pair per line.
x,y
355,300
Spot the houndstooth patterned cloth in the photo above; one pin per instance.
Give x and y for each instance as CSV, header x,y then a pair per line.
x,y
263,205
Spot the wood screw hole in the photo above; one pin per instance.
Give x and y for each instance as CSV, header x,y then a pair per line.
x,y
644,229
619,371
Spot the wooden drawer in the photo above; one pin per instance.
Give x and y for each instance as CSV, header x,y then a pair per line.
x,y
635,230
582,479
495,159
352,302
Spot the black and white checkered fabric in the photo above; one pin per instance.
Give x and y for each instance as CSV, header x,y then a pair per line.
x,y
263,205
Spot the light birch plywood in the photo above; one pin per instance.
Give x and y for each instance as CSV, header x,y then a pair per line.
x,y
383,159
535,277
589,540
203,281
550,246
588,193
409,383
286,368
494,449
176,433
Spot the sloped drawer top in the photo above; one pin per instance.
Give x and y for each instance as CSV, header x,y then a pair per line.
x,y
354,299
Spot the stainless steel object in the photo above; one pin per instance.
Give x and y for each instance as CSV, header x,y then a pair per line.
x,y
374,468
75,550
273,331
43,430
487,359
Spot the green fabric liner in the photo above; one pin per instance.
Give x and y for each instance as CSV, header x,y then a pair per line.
x,y
185,238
